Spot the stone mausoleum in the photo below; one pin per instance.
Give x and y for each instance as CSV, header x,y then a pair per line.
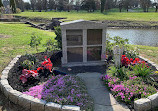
x,y
83,43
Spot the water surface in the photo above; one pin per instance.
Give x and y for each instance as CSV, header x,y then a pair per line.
x,y
147,37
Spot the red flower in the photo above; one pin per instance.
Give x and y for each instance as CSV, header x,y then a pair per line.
x,y
125,61
39,68
28,73
47,64
131,60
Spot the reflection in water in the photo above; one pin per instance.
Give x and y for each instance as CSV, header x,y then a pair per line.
x,y
137,36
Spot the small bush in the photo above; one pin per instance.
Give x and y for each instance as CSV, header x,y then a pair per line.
x,y
50,45
58,37
35,41
18,10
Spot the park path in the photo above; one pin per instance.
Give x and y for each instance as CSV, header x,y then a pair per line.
x,y
103,100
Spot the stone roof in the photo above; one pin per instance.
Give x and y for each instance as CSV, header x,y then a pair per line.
x,y
82,24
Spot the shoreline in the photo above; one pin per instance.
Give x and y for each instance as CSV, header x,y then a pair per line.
x,y
110,23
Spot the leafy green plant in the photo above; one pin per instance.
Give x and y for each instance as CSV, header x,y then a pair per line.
x,y
121,73
109,45
27,64
119,41
31,57
50,45
113,41
112,71
58,37
142,70
35,41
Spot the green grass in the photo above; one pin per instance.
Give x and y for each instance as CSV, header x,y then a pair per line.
x,y
141,10
148,52
109,15
17,41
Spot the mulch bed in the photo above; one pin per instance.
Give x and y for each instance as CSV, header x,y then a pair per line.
x,y
16,71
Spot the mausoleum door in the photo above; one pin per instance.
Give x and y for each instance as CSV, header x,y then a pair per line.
x,y
94,44
74,45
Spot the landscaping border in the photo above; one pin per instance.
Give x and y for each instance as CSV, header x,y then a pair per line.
x,y
26,101
151,102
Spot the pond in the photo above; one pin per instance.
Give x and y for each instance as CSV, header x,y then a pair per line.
x,y
147,37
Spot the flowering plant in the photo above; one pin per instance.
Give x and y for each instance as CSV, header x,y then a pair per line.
x,y
46,65
63,90
28,73
129,90
125,61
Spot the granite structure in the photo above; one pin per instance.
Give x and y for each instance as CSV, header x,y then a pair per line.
x,y
83,43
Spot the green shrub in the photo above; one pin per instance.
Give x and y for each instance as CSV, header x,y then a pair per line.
x,y
58,37
50,45
18,10
113,41
35,41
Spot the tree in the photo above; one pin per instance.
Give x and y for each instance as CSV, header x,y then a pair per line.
x,y
39,5
27,5
44,4
127,4
120,4
33,4
69,5
156,5
89,5
20,4
1,3
102,5
77,5
145,4
109,4
51,4
13,6
60,5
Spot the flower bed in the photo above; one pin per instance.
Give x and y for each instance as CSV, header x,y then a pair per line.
x,y
65,90
39,81
129,82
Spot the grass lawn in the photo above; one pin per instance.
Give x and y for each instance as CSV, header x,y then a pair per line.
x,y
109,15
148,52
16,40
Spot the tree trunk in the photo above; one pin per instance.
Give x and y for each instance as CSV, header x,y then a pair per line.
x,y
102,5
156,8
